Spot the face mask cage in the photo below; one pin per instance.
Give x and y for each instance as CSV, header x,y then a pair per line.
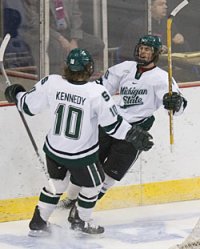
x,y
141,62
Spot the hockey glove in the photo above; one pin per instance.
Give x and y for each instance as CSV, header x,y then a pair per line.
x,y
140,139
11,92
172,102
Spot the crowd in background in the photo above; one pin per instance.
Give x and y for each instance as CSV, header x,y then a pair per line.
x,y
127,21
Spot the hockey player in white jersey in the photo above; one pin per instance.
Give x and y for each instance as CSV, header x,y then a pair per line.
x,y
142,88
77,108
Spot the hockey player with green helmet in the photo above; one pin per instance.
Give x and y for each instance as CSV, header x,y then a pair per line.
x,y
143,89
77,108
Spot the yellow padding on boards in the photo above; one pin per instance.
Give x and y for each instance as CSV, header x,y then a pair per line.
x,y
17,209
117,197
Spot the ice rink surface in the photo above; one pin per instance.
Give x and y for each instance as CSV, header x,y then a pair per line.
x,y
146,227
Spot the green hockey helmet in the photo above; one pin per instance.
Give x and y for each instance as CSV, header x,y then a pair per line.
x,y
152,41
79,60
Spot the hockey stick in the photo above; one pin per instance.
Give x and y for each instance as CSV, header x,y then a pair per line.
x,y
3,47
169,46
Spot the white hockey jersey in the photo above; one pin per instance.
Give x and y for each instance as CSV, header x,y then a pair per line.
x,y
138,98
76,111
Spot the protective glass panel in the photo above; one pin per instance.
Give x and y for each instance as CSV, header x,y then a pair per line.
x,y
21,60
109,30
128,20
71,26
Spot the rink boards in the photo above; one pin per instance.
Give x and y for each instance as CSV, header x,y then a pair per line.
x,y
159,176
118,197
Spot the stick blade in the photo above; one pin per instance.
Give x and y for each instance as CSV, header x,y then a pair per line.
x,y
4,44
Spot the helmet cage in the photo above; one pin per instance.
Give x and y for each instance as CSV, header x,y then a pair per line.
x,y
155,56
151,41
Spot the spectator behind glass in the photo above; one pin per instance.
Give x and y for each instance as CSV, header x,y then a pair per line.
x,y
189,22
29,28
18,52
138,28
66,34
63,37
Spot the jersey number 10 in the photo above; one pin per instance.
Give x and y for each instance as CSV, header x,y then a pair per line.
x,y
72,128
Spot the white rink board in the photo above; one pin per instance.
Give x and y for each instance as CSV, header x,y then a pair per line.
x,y
21,177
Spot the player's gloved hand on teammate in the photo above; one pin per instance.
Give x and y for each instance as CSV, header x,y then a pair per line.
x,y
172,102
140,138
11,92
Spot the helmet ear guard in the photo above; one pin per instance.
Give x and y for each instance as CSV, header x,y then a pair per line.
x,y
151,41
79,60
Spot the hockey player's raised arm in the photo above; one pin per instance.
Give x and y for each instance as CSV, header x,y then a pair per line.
x,y
35,100
30,102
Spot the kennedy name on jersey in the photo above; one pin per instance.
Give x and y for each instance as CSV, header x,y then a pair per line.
x,y
70,98
132,96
